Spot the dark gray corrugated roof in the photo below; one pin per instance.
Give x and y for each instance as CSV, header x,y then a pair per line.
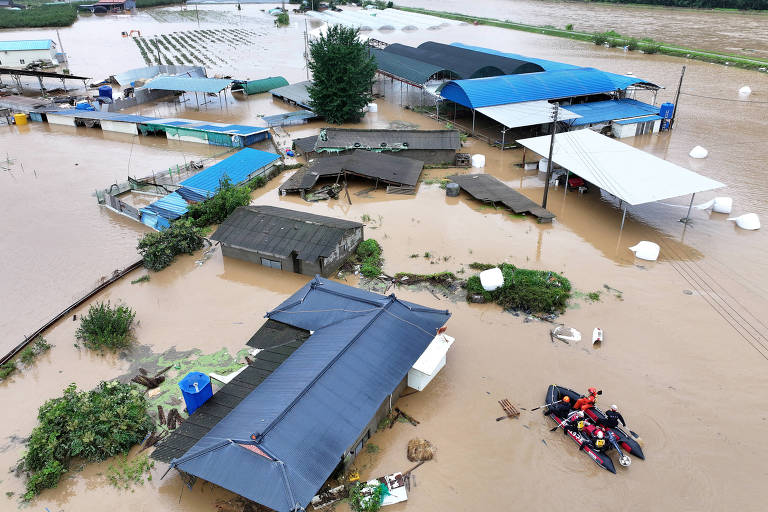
x,y
487,188
462,61
274,333
332,138
283,441
280,231
305,144
393,170
296,93
411,70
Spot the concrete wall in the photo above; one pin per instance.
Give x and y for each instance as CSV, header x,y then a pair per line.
x,y
119,127
352,237
62,120
621,131
20,58
384,409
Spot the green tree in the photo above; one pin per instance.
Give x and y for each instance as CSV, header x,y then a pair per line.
x,y
342,70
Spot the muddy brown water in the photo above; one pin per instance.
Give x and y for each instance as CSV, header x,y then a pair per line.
x,y
683,376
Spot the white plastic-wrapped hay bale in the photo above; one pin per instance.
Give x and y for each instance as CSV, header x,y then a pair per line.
x,y
718,205
748,221
745,91
645,250
478,160
698,152
372,107
491,279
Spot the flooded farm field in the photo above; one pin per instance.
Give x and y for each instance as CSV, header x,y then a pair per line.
x,y
683,334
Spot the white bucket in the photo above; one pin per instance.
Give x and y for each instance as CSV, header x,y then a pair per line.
x,y
478,160
372,107
698,152
543,164
748,221
745,91
646,251
491,279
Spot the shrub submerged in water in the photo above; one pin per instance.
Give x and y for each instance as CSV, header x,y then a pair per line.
x,y
106,327
536,291
160,248
369,252
91,425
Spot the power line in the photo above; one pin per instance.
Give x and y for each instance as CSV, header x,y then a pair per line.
x,y
724,99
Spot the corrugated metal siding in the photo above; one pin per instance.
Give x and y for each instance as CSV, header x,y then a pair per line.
x,y
313,407
566,83
412,70
602,111
260,86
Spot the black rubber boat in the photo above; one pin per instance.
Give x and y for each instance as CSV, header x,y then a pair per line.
x,y
627,442
559,415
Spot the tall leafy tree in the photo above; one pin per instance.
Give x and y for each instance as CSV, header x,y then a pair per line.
x,y
342,70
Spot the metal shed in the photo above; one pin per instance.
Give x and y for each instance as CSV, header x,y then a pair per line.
x,y
287,239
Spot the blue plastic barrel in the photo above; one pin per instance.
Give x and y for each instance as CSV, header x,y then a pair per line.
x,y
106,91
666,110
196,390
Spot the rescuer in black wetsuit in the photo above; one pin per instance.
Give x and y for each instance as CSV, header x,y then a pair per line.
x,y
613,417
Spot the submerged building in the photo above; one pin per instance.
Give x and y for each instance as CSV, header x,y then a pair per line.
x,y
288,239
314,410
21,53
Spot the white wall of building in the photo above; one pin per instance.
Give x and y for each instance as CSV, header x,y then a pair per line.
x,y
20,58
62,120
119,127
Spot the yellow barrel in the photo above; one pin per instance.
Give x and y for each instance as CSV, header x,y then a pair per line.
x,y
20,119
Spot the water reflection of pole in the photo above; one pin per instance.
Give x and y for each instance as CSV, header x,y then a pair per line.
x,y
538,245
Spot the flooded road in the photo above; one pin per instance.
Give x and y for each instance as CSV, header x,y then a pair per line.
x,y
742,33
682,344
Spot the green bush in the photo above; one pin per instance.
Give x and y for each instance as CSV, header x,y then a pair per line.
x,y
217,208
7,369
535,291
369,254
159,249
360,503
91,425
599,38
42,16
569,27
650,47
632,44
282,19
106,327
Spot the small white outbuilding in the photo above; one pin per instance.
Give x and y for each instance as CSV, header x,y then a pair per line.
x,y
430,363
20,53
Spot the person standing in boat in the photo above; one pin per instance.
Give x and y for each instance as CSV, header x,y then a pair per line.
x,y
613,417
586,402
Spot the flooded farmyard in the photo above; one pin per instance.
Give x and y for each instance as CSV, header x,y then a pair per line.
x,y
684,335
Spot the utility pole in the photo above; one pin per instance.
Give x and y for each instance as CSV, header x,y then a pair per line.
x,y
197,14
61,49
677,99
551,148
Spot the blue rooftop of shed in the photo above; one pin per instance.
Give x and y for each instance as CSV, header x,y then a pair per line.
x,y
25,44
238,168
282,442
170,207
178,83
604,111
547,85
548,65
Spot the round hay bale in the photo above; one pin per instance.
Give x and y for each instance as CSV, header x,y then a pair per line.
x,y
420,449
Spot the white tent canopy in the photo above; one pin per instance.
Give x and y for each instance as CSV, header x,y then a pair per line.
x,y
632,175
526,113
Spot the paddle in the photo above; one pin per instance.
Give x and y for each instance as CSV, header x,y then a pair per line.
x,y
546,405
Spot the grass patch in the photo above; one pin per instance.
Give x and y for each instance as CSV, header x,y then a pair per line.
x,y
7,369
593,296
159,249
480,266
125,473
534,291
369,254
372,448
142,279
90,425
438,278
106,326
34,349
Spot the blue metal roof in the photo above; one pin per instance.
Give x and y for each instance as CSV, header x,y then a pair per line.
x,y
239,129
547,85
634,120
178,83
25,44
282,442
170,207
604,111
548,65
238,168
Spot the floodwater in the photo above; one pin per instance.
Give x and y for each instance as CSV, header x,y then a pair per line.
x,y
681,345
729,32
